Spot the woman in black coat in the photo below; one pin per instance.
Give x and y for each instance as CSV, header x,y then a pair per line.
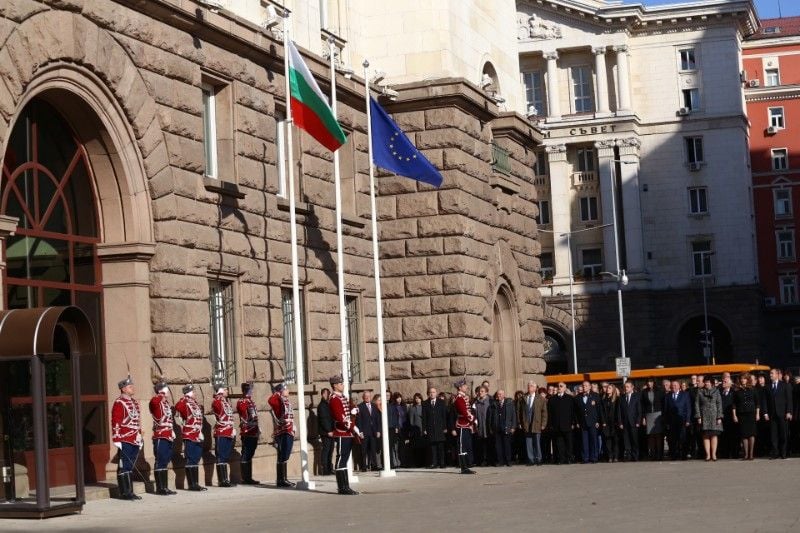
x,y
746,411
652,406
610,421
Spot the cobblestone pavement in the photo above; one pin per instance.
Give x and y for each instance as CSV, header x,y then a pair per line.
x,y
724,496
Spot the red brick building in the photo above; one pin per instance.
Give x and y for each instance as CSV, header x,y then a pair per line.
x,y
771,72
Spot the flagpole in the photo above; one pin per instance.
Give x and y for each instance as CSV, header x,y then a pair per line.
x,y
337,178
305,483
387,470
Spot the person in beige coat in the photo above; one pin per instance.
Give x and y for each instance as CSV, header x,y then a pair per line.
x,y
532,416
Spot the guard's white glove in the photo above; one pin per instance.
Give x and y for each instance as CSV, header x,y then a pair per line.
x,y
118,445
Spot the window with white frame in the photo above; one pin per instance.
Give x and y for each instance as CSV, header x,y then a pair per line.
x,y
222,338
210,129
353,336
796,340
785,241
782,199
701,258
544,213
586,161
772,77
780,159
691,99
546,262
588,206
281,153
776,119
591,262
534,91
788,288
698,200
694,149
290,360
582,89
687,59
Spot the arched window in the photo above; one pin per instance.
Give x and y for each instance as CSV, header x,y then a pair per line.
x,y
505,341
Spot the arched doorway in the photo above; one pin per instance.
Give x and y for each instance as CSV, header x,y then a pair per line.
x,y
52,260
505,342
691,340
555,352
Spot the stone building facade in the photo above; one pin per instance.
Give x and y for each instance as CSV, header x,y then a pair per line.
x,y
162,213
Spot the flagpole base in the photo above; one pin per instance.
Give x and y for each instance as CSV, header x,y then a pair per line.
x,y
388,473
305,485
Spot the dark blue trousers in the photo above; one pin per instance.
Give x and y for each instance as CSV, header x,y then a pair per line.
x,y
193,452
162,449
285,442
249,445
224,449
344,445
127,457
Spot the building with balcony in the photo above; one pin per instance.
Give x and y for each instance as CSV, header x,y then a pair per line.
x,y
642,113
772,79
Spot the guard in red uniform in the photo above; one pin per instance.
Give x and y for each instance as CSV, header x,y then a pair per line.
x,y
248,426
224,432
283,434
163,436
344,429
192,433
126,433
465,421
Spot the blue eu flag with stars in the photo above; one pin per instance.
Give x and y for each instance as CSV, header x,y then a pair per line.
x,y
393,151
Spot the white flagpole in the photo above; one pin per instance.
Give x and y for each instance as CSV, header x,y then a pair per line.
x,y
387,469
305,483
340,252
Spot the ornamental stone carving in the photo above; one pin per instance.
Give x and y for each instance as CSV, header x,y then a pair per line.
x,y
532,28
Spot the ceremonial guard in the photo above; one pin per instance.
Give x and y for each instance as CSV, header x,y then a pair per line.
x,y
248,427
126,433
283,434
192,433
163,437
224,432
464,424
344,429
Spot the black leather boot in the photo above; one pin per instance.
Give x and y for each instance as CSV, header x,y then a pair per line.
x,y
222,475
162,483
126,487
462,461
247,474
193,477
283,481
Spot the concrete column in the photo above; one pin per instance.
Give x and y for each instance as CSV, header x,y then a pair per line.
x,y
631,210
623,79
605,160
553,108
602,80
126,324
8,226
560,209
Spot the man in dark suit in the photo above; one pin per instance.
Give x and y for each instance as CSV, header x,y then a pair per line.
x,y
677,413
562,421
434,427
587,414
631,415
369,422
502,420
779,414
729,439
325,429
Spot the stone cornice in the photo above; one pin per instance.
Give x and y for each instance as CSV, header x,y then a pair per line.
x,y
125,252
779,92
8,226
513,126
443,92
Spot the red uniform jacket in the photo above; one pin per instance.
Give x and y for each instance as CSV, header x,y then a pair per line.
x,y
162,417
282,414
343,425
248,417
464,417
126,421
192,415
224,415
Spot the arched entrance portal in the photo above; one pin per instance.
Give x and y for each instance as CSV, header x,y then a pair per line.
x,y
690,341
52,260
555,352
505,343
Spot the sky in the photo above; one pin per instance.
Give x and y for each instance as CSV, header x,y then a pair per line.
x,y
766,8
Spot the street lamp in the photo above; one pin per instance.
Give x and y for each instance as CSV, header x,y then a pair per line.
x,y
707,353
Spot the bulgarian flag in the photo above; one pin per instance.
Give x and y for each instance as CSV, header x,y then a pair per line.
x,y
310,109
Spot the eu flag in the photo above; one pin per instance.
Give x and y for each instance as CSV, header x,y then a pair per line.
x,y
393,151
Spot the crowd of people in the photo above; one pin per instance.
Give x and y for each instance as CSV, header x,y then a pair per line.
x,y
710,418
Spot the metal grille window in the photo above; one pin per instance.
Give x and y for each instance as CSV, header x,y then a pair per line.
x,y
698,200
290,363
210,130
701,258
221,331
582,89
780,159
783,202
687,58
776,117
588,209
501,159
353,332
785,240
788,285
592,262
534,91
546,261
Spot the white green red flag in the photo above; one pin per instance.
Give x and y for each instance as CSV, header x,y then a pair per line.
x,y
310,109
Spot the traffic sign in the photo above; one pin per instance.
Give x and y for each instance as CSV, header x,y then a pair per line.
x,y
623,366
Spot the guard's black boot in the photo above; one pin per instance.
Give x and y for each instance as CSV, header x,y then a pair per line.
x,y
222,475
126,487
247,474
350,491
193,477
462,461
282,480
343,483
162,483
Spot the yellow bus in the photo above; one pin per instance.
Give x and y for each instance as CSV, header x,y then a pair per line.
x,y
673,372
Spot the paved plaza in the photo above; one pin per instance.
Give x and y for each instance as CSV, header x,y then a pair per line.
x,y
724,496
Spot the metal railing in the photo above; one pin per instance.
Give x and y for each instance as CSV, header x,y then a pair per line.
x,y
501,160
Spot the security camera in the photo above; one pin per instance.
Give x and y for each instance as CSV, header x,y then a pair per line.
x,y
498,99
390,93
378,76
345,71
213,5
273,18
